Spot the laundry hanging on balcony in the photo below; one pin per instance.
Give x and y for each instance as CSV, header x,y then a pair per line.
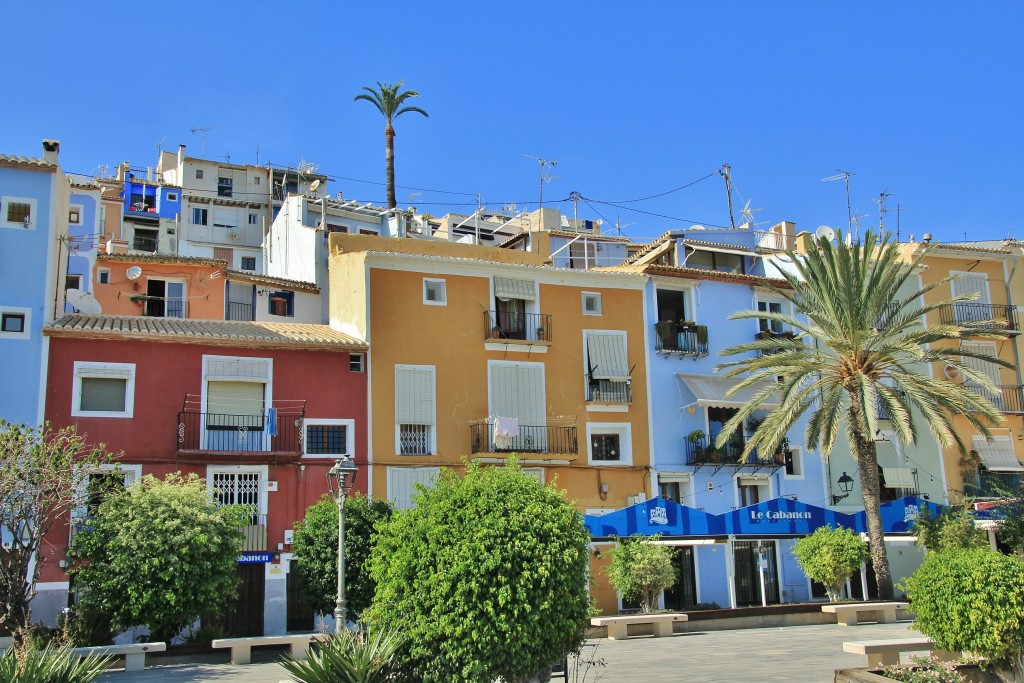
x,y
272,422
505,430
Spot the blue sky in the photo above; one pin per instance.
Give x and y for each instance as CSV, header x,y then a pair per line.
x,y
922,100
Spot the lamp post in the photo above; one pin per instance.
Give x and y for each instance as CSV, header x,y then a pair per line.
x,y
845,485
340,479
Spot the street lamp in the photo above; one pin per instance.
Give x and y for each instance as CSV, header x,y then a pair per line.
x,y
845,485
340,479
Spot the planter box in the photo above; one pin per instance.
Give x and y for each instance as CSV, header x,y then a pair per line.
x,y
970,671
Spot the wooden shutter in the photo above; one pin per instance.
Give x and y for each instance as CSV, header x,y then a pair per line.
x,y
970,283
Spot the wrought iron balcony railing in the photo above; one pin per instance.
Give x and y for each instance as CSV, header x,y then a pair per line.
x,y
517,326
992,485
1009,398
609,391
279,429
686,340
989,316
528,439
240,311
703,451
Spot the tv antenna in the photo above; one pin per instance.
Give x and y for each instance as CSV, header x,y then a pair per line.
x,y
619,226
202,133
159,146
412,198
898,210
545,176
845,176
747,214
726,172
881,209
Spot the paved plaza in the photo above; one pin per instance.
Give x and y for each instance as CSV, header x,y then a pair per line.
x,y
796,654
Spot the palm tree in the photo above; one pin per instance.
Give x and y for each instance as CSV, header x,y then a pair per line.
x,y
389,98
860,348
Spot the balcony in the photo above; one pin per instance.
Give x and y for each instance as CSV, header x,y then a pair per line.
x,y
279,431
992,485
524,327
162,306
528,439
1009,399
768,334
609,391
685,339
986,316
241,311
886,316
702,451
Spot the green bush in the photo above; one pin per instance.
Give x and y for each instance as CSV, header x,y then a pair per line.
x,y
316,546
830,556
49,665
486,577
640,569
971,601
348,657
950,529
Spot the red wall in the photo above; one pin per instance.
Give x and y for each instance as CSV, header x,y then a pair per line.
x,y
164,373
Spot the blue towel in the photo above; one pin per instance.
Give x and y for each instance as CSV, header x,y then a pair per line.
x,y
272,422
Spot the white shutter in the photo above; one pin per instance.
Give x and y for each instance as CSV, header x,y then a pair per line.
x,y
987,368
402,482
606,352
997,455
517,390
511,288
414,394
233,398
103,394
220,368
969,283
225,218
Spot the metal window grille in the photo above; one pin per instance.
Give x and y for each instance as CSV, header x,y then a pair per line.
x,y
326,439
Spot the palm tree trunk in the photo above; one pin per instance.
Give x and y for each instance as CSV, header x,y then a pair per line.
x,y
867,465
389,163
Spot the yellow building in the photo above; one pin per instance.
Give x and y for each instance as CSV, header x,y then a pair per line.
x,y
984,271
481,352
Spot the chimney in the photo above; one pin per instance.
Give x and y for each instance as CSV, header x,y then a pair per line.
x,y
51,148
927,237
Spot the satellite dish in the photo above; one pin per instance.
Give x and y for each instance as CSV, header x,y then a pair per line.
x,y
952,373
315,185
825,233
133,273
84,302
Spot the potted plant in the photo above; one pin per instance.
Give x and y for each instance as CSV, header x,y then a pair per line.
x,y
139,299
541,333
685,325
495,332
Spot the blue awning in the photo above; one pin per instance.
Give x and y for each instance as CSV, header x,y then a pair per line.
x,y
783,517
654,516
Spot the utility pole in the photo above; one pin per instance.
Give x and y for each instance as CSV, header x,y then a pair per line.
x,y
726,172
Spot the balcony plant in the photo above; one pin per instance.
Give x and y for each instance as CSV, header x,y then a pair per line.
x,y
701,332
541,333
686,325
696,437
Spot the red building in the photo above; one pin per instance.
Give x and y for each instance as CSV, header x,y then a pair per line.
x,y
260,410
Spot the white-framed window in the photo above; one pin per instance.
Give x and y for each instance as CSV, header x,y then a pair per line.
x,y
75,215
256,180
607,366
237,393
434,292
752,489
72,281
415,412
172,196
609,443
103,276
675,486
254,218
103,390
239,485
535,472
225,218
794,458
402,483
329,438
765,325
94,485
15,322
591,303
199,216
17,212
357,362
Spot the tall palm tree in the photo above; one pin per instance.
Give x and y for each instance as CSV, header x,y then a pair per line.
x,y
860,347
389,98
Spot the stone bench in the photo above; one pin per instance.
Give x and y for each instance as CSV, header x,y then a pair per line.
x,y
848,614
618,625
887,652
134,653
241,648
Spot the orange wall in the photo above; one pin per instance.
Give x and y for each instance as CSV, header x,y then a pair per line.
x,y
205,294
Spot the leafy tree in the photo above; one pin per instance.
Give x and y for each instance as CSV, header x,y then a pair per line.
x,y
316,544
640,569
389,99
972,601
486,576
869,351
159,554
830,556
948,530
42,479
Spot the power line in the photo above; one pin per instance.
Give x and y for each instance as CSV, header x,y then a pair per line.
x,y
657,215
662,194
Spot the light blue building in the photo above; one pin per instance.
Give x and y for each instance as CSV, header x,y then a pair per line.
x,y
84,231
697,279
33,263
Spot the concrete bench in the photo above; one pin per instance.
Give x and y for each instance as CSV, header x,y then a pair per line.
x,y
241,648
617,626
887,652
849,614
134,653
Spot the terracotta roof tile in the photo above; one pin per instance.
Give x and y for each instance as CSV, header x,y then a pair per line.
x,y
146,257
271,280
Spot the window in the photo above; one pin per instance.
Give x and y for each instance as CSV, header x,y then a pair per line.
x,y
609,443
794,462
516,390
165,298
224,186
256,180
12,322
145,240
103,389
414,409
172,196
607,370
97,484
254,218
434,293
224,254
239,486
673,485
765,325
17,212
103,276
199,216
356,362
199,174
248,263
72,281
75,215
986,369
591,303
225,218
237,391
336,228
282,304
330,439
751,490
402,483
